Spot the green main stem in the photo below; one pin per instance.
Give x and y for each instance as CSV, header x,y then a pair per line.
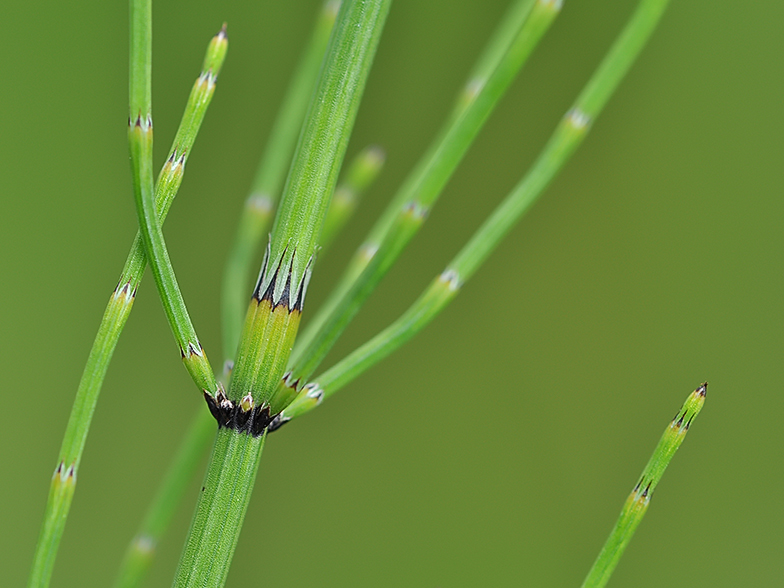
x,y
223,502
273,316
256,215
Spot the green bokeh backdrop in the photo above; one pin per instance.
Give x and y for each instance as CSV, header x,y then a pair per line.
x,y
496,449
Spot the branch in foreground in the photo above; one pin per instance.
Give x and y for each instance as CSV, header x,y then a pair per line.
x,y
637,504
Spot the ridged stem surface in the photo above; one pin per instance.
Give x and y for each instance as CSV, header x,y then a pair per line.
x,y
272,318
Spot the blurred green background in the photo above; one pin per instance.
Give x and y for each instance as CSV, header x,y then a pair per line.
x,y
497,448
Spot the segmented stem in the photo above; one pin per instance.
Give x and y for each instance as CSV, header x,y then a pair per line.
x,y
637,504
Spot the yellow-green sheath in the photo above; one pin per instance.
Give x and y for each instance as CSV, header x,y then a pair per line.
x,y
269,332
61,493
287,331
256,215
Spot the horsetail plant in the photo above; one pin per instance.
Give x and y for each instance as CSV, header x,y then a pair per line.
x,y
268,368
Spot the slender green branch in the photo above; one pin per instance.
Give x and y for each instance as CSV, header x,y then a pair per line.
x,y
360,174
419,193
272,319
492,54
140,87
140,137
113,321
566,138
259,206
637,504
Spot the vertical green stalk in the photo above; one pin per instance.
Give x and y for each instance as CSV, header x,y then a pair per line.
x,y
259,206
215,528
64,479
637,504
273,316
